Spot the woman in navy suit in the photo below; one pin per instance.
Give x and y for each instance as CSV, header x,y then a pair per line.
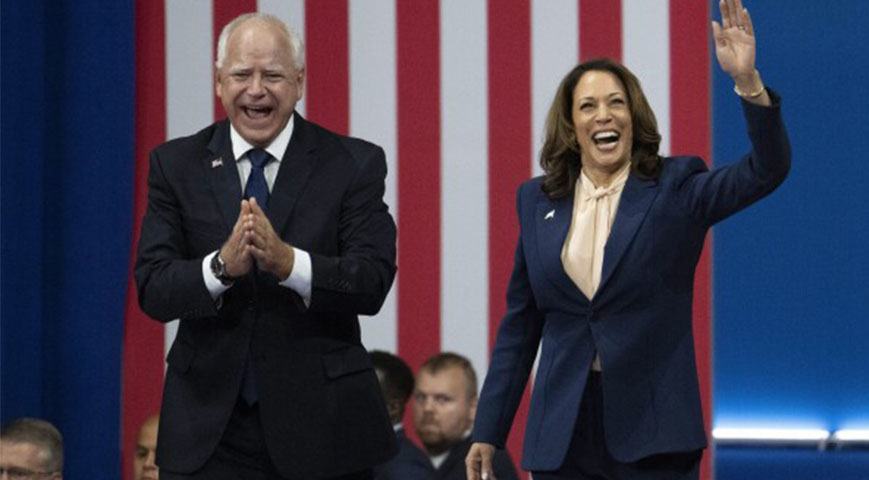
x,y
603,278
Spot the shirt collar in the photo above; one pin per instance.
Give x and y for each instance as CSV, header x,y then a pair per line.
x,y
276,149
586,185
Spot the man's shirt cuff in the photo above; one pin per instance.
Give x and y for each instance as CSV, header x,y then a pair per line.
x,y
300,278
215,288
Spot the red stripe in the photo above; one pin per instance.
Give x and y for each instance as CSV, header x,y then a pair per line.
x,y
419,151
328,66
510,150
224,12
143,338
419,173
600,29
690,133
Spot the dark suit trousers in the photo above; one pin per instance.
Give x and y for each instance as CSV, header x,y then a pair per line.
x,y
589,459
242,453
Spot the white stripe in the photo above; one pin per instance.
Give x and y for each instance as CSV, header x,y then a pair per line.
x,y
291,12
189,67
646,45
373,112
464,180
554,51
189,79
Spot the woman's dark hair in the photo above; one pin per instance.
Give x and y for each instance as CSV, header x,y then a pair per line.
x,y
560,157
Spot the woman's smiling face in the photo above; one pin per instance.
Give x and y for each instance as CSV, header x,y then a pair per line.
x,y
602,123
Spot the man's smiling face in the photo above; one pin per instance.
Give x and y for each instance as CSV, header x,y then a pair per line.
x,y
257,82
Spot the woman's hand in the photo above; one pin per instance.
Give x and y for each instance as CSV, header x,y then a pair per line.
x,y
479,461
734,40
736,49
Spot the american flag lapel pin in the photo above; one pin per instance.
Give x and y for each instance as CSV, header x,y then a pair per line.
x,y
217,162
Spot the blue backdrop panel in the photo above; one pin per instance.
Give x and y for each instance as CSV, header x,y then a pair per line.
x,y
67,152
23,208
791,299
738,463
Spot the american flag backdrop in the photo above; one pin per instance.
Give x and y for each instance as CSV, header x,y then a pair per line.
x,y
456,92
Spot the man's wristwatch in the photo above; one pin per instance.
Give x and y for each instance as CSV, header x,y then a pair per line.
x,y
218,268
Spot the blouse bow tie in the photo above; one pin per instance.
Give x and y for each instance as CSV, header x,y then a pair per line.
x,y
601,192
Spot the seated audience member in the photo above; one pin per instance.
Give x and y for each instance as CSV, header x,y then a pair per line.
x,y
444,405
396,382
31,449
144,466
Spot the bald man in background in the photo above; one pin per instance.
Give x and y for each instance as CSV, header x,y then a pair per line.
x,y
144,463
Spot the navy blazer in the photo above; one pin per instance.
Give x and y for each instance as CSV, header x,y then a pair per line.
x,y
319,400
639,320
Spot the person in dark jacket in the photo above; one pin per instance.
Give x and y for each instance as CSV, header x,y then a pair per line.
x,y
444,406
603,277
396,382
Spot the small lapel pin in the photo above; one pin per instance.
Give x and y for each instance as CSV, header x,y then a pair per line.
x,y
549,215
217,162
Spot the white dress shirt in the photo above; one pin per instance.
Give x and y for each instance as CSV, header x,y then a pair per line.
x,y
300,277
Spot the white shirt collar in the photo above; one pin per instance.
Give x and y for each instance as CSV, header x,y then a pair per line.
x,y
439,459
276,149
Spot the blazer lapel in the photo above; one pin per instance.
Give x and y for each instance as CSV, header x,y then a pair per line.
x,y
296,167
637,197
552,221
223,174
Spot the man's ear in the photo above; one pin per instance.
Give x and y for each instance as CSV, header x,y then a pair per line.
x,y
473,413
300,83
217,85
393,407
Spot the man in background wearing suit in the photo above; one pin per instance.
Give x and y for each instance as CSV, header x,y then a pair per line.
x,y
396,382
266,235
444,406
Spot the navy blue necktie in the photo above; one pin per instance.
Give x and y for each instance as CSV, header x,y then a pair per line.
x,y
256,182
256,188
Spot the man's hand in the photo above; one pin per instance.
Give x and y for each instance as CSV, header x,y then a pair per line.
x,y
235,252
478,463
270,252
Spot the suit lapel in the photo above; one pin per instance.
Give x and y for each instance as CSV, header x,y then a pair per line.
x,y
637,197
296,167
552,222
222,174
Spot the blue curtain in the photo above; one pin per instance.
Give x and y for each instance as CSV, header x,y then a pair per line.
x,y
68,84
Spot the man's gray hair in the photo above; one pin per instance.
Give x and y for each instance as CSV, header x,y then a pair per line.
x,y
41,434
297,46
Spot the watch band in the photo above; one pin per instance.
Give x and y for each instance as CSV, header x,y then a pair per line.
x,y
218,268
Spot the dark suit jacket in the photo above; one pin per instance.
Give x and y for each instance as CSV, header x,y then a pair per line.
x,y
320,403
639,320
454,468
411,463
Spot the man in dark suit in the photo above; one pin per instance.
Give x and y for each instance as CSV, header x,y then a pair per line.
x,y
396,383
266,235
444,406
